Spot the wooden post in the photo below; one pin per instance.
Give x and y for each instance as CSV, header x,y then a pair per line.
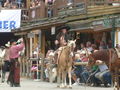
x,y
42,66
43,43
23,67
20,66
28,3
51,70
86,5
116,36
30,47
27,56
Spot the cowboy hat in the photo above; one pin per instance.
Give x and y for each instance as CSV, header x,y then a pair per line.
x,y
64,27
7,44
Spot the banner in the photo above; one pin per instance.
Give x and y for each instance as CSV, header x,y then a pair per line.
x,y
10,19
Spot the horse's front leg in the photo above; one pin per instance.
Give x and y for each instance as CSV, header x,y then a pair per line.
x,y
58,78
64,83
69,75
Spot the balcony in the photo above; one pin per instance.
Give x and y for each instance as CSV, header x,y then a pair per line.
x,y
61,8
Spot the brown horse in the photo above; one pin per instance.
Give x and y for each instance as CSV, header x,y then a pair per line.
x,y
110,57
65,64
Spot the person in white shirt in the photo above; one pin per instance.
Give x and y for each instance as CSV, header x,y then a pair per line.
x,y
102,75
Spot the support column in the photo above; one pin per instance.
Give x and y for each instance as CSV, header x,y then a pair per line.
x,y
28,3
116,36
113,32
31,44
43,43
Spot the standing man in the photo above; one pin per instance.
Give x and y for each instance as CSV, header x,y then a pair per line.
x,y
14,76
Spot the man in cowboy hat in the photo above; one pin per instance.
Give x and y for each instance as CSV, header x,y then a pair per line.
x,y
14,76
61,39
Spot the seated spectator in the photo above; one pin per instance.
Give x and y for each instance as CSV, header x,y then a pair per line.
x,y
102,45
83,56
92,79
89,46
78,69
85,74
104,72
94,48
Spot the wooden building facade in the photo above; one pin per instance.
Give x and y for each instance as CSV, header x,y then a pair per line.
x,y
95,19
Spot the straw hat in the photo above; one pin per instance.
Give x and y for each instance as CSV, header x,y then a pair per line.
x,y
7,44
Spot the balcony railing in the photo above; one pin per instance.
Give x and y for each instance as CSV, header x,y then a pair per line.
x,y
102,2
32,14
62,7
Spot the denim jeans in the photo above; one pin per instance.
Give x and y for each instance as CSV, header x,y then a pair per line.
x,y
107,78
85,76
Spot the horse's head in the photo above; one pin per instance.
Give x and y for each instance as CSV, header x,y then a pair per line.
x,y
72,43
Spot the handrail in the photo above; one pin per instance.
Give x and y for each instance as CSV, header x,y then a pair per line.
x,y
39,12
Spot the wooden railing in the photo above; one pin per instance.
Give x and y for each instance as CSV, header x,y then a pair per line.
x,y
61,7
33,14
102,2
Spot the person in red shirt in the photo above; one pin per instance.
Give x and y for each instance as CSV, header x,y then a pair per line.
x,y
14,76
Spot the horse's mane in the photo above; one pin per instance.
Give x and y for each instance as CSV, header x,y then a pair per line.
x,y
101,55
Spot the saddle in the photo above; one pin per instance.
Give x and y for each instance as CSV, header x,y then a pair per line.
x,y
118,52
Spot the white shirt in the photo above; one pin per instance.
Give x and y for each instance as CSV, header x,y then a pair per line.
x,y
102,67
2,53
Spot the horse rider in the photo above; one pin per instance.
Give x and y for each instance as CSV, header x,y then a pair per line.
x,y
61,39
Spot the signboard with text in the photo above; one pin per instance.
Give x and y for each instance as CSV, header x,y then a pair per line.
x,y
10,19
